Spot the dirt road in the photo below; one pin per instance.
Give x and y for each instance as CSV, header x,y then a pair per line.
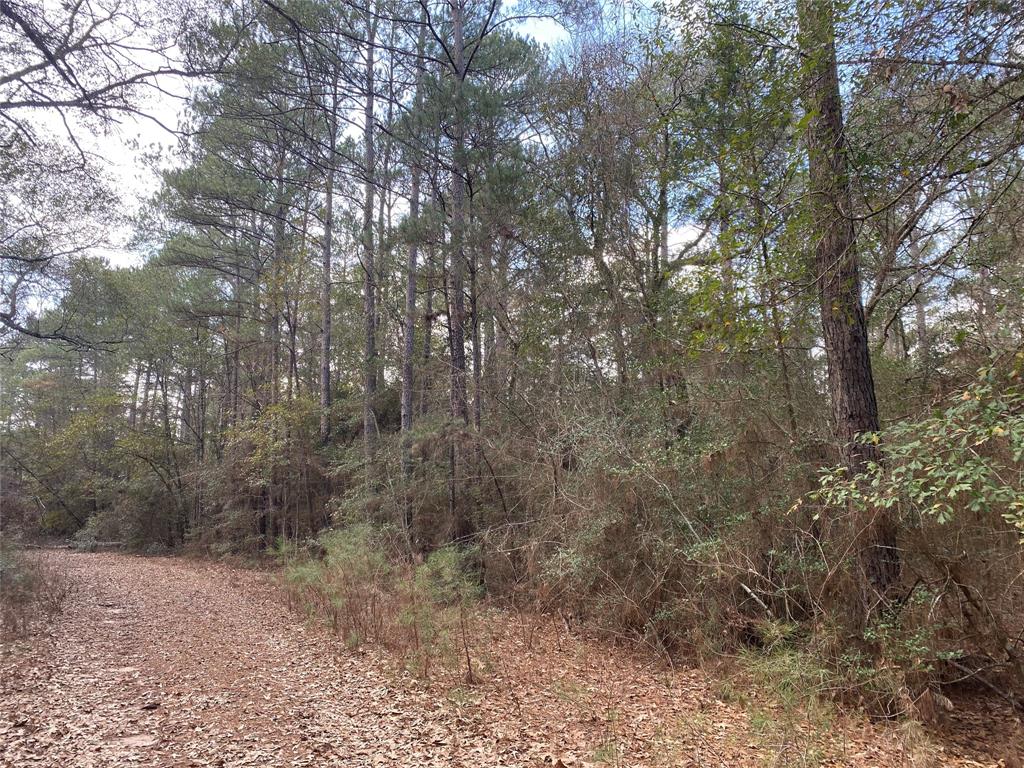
x,y
174,662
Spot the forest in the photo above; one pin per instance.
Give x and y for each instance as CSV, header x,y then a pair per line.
x,y
696,325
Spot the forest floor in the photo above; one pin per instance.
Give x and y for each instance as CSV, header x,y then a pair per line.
x,y
178,662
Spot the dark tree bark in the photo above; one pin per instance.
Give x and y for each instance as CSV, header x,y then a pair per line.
x,y
474,308
428,332
235,380
850,383
844,329
325,293
458,258
274,309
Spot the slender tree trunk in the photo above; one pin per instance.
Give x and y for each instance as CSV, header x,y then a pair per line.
x,y
922,333
474,309
473,265
200,449
325,290
226,393
772,302
488,330
292,306
458,259
200,422
144,404
844,329
457,320
294,382
612,289
186,406
172,455
369,264
409,337
430,279
236,353
428,333
663,211
273,286
502,361
133,412
382,175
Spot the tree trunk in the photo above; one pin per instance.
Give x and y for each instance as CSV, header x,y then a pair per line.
x,y
133,411
144,407
488,320
501,362
428,332
844,329
457,320
369,265
236,350
274,284
325,297
409,338
922,333
474,308
772,301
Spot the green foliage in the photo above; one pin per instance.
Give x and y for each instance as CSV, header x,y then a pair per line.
x,y
637,246
968,457
799,714
275,444
445,578
269,483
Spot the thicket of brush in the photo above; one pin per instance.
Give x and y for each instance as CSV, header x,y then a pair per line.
x,y
695,547
726,538
33,590
357,580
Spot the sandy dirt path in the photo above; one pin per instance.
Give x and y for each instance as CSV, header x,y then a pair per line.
x,y
176,662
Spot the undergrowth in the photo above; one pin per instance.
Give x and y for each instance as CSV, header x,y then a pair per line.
x,y
32,591
356,580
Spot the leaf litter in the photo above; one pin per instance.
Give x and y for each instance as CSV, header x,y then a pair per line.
x,y
179,662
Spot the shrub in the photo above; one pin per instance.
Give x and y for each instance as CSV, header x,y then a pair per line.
x,y
31,589
968,457
692,544
269,484
356,580
954,484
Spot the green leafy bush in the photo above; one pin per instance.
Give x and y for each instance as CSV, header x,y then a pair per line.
x,y
967,457
953,484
